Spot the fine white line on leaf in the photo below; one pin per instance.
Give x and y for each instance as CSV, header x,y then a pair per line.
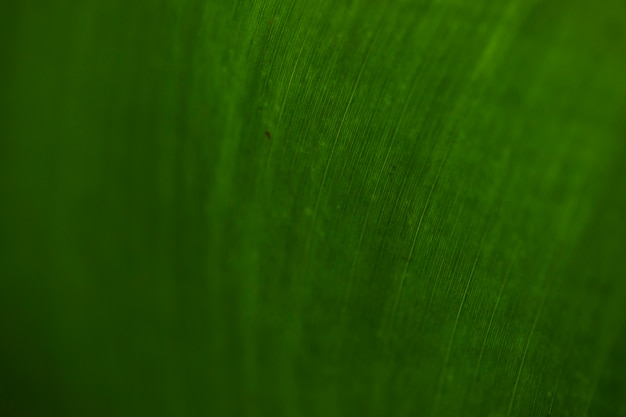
x,y
282,108
493,313
523,361
454,329
550,271
414,239
330,157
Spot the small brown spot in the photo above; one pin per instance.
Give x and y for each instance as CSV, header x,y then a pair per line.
x,y
268,134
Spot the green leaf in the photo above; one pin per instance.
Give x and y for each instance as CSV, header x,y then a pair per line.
x,y
328,208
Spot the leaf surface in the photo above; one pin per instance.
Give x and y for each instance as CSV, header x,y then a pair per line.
x,y
329,208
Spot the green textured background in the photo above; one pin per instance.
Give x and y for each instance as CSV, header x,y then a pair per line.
x,y
435,228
